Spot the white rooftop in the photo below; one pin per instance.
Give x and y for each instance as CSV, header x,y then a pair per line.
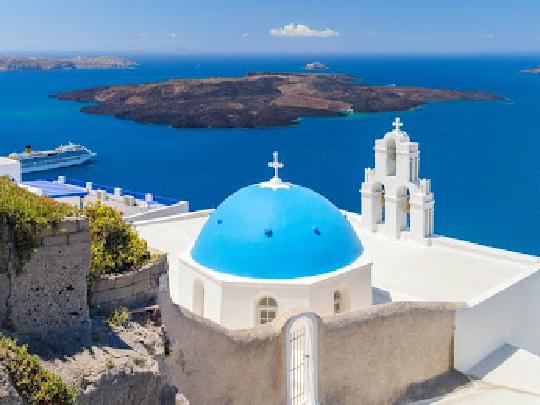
x,y
10,168
448,271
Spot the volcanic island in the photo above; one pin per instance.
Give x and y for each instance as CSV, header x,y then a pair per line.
x,y
254,100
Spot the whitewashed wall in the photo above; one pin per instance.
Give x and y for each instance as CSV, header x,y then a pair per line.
x,y
179,208
10,168
358,283
240,301
233,303
510,316
183,296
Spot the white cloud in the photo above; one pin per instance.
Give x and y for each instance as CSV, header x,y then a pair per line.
x,y
143,34
245,34
300,30
171,35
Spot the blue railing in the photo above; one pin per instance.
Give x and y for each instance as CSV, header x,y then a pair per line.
x,y
139,196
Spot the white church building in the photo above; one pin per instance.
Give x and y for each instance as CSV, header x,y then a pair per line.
x,y
276,247
272,248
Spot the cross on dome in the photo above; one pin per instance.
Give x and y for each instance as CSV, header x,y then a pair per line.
x,y
276,165
275,182
397,124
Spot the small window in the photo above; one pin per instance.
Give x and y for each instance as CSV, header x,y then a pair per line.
x,y
342,299
338,305
266,310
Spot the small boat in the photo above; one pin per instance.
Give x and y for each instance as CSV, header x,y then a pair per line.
x,y
315,66
348,111
63,156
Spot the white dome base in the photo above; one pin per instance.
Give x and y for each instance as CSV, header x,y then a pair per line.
x,y
232,301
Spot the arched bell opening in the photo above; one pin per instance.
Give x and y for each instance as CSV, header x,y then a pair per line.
x,y
391,157
404,213
379,205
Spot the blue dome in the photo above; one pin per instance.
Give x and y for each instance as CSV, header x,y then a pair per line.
x,y
276,233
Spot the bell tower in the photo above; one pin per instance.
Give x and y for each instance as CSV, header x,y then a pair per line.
x,y
395,201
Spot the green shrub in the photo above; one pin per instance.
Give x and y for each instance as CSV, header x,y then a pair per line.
x,y
27,215
109,363
116,247
31,380
119,317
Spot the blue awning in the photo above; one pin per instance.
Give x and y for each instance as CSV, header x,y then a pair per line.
x,y
54,189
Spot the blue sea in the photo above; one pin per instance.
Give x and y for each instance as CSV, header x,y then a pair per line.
x,y
483,157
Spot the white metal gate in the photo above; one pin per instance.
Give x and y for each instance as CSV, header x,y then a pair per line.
x,y
302,360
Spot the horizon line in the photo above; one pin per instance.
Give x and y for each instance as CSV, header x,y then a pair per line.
x,y
136,52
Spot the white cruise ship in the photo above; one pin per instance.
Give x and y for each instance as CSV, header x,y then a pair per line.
x,y
62,156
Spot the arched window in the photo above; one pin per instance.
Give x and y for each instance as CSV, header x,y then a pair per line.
x,y
391,157
408,210
341,299
266,310
198,297
338,303
404,214
379,213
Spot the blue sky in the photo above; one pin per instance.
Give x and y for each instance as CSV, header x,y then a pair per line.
x,y
271,26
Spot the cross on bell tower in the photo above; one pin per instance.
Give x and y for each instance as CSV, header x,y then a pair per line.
x,y
397,124
276,165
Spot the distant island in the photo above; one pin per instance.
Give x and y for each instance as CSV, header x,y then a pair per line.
x,y
254,100
17,63
534,70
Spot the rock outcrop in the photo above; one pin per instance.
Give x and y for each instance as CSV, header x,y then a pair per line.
x,y
120,367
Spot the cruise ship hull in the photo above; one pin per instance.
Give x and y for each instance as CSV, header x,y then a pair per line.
x,y
55,165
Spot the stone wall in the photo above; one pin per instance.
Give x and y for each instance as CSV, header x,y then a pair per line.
x,y
384,354
387,354
133,289
212,365
47,297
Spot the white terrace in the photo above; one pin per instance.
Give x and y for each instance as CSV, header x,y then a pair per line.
x,y
449,270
